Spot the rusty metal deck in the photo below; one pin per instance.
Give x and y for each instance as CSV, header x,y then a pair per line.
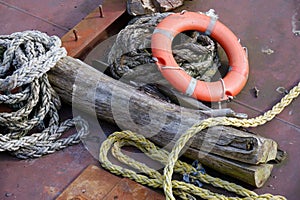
x,y
261,25
89,185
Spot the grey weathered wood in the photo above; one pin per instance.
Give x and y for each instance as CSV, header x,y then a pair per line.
x,y
116,102
255,175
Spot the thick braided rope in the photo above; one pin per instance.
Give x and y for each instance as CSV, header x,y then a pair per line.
x,y
170,160
34,104
129,138
155,179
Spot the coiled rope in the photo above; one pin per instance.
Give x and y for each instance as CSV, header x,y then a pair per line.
x,y
171,162
33,104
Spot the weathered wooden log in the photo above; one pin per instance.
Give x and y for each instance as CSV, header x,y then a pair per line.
x,y
255,175
93,92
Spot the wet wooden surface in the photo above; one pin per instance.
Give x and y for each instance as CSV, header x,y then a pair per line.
x,y
261,25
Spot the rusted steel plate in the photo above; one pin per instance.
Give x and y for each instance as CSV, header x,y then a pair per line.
x,y
12,20
96,183
43,178
64,14
88,32
92,183
128,189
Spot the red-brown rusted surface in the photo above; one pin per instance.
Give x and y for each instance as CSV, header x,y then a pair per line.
x,y
55,17
95,183
128,189
85,35
260,25
89,185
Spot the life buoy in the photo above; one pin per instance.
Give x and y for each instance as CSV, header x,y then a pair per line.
x,y
161,45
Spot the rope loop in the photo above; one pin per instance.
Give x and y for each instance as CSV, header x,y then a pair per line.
x,y
32,104
183,189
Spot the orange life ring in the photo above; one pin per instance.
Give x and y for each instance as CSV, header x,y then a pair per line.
x,y
161,45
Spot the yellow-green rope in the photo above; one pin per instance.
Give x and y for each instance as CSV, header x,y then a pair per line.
x,y
170,160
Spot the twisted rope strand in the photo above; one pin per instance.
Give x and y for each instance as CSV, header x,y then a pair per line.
x,y
27,57
186,191
260,120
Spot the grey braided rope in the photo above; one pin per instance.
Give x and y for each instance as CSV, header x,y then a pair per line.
x,y
25,90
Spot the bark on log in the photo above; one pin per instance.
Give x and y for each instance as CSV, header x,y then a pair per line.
x,y
91,91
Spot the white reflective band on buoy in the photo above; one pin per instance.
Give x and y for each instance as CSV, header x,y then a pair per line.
x,y
210,26
172,67
191,88
163,32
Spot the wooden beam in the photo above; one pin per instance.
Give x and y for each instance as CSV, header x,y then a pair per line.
x,y
93,92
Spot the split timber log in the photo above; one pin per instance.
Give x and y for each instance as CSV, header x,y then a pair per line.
x,y
231,151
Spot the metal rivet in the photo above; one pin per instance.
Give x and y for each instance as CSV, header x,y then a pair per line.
x,y
101,11
256,91
75,34
182,12
282,90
